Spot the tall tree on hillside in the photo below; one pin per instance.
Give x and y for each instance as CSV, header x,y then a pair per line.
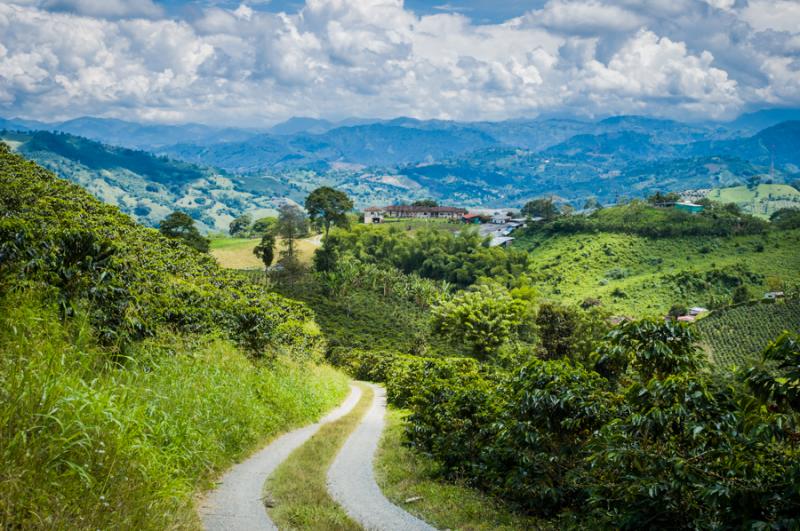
x,y
328,206
292,224
265,250
541,208
181,226
241,225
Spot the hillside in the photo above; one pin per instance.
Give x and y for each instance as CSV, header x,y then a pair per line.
x,y
638,275
737,335
146,186
134,369
762,200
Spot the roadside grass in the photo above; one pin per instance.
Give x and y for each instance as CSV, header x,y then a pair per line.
x,y
298,489
404,475
237,253
87,442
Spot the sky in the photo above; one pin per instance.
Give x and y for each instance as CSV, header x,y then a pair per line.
x,y
260,62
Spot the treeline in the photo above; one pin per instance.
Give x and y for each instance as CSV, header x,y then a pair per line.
x,y
644,219
460,259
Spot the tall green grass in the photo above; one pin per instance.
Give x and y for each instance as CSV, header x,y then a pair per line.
x,y
88,443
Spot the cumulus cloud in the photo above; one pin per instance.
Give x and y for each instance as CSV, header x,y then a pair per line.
x,y
336,58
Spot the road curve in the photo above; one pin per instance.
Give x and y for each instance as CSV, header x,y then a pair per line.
x,y
236,504
351,480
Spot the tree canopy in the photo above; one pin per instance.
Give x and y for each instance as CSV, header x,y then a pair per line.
x,y
327,207
181,226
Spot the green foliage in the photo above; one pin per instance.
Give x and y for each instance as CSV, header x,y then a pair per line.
x,y
780,382
541,208
645,220
265,250
425,203
656,349
241,226
87,443
786,218
263,226
292,224
737,335
460,259
56,235
327,207
482,318
180,225
686,453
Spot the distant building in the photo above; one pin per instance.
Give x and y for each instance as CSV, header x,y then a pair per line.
x,y
407,211
472,218
687,318
373,215
774,295
500,241
686,206
697,310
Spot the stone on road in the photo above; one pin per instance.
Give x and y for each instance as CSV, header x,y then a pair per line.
x,y
236,503
351,480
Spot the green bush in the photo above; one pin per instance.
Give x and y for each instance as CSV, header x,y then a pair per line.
x,y
131,280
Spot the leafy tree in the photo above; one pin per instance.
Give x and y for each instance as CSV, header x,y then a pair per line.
x,y
655,348
660,198
780,382
677,310
483,318
786,218
292,224
265,250
556,325
264,225
240,226
425,203
591,203
328,207
541,208
740,294
180,225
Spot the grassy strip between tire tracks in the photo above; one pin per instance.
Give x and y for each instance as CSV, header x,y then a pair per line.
x,y
410,481
298,492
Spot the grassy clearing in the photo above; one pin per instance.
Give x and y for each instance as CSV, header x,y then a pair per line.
x,y
86,443
404,475
299,489
237,253
760,201
639,276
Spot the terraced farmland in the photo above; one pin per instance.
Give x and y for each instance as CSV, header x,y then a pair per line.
x,y
736,336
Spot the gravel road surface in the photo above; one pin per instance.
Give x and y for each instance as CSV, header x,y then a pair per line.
x,y
351,480
236,504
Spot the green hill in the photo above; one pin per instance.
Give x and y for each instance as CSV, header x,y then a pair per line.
x,y
146,186
638,275
132,368
737,335
760,201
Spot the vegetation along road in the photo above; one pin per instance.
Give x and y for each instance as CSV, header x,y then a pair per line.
x,y
236,503
351,479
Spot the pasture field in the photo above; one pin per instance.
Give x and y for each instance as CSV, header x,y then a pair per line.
x,y
760,201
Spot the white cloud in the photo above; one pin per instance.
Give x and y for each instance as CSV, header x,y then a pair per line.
x,y
584,16
780,15
339,58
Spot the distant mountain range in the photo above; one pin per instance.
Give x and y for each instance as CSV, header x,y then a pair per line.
x,y
379,161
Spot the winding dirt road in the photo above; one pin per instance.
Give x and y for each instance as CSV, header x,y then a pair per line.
x,y
351,480
236,504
